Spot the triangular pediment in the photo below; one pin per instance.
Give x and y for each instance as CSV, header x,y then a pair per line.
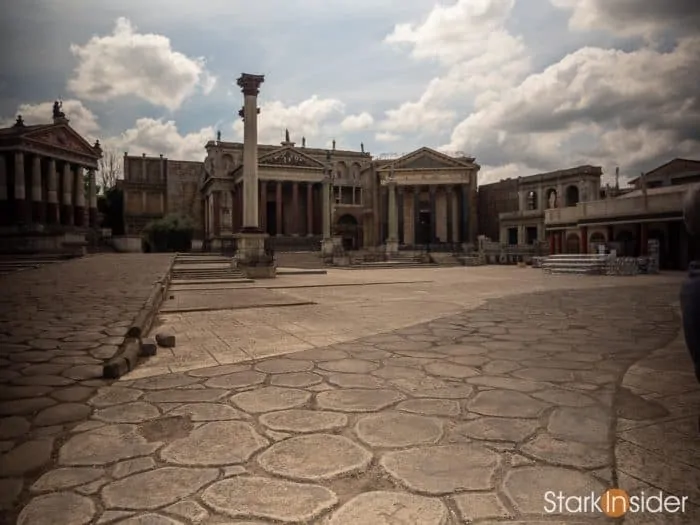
x,y
64,137
425,158
289,156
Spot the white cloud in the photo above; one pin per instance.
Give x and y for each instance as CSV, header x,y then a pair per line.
x,y
128,63
81,118
646,18
596,105
357,122
314,118
481,58
489,174
158,136
384,136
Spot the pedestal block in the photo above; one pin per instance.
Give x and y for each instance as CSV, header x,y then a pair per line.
x,y
392,248
251,257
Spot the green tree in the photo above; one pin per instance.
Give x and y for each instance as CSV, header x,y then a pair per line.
x,y
172,233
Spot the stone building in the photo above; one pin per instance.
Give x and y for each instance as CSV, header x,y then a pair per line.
x,y
154,187
48,189
492,200
651,210
435,195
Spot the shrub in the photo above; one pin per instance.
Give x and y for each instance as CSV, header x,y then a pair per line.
x,y
172,233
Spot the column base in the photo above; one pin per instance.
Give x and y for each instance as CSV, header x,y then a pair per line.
x,y
52,213
256,230
251,257
391,247
38,212
22,211
92,216
67,214
79,216
327,247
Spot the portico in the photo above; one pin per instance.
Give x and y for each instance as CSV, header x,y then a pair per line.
x,y
47,185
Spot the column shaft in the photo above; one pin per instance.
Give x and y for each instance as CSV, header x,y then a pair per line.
x,y
326,209
38,204
23,211
53,215
279,219
250,163
433,214
296,219
4,211
417,231
92,199
464,208
400,211
262,209
79,193
309,208
67,202
583,234
448,212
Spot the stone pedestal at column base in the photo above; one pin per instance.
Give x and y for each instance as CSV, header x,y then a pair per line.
x,y
251,257
67,214
53,215
391,248
38,212
327,247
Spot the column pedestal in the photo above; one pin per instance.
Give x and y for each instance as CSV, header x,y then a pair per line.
x,y
23,211
251,258
39,212
79,216
391,247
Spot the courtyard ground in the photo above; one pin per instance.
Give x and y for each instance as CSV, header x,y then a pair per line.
x,y
458,395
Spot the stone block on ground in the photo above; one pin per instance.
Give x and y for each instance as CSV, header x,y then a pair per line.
x,y
165,339
149,347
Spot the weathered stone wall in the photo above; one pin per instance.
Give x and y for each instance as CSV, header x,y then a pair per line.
x,y
183,197
492,199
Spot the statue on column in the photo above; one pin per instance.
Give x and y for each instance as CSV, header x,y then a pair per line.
x,y
303,142
362,147
333,144
286,135
218,136
57,113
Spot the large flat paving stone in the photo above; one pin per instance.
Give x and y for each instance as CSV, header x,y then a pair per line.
x,y
391,508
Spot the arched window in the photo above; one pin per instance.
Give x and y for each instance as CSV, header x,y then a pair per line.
x,y
532,200
572,195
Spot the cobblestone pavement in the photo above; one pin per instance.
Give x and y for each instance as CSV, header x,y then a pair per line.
x,y
58,324
473,416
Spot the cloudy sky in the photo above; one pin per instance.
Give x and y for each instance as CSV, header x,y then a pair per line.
x,y
523,85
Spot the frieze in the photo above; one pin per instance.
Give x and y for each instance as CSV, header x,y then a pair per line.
x,y
289,158
413,179
54,152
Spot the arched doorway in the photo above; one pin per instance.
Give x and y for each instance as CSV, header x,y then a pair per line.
x,y
572,195
349,230
626,244
573,243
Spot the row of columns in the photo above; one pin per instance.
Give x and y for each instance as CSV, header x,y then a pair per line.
x,y
395,211
30,207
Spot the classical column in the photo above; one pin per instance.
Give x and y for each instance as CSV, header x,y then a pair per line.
x,y
326,207
92,199
643,239
309,208
23,211
79,192
448,212
416,213
250,85
279,210
464,209
4,212
392,240
38,205
433,213
53,215
263,205
552,243
216,213
401,237
296,219
67,202
583,237
144,169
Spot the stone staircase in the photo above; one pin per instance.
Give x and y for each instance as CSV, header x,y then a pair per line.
x,y
16,263
582,264
192,268
446,259
399,260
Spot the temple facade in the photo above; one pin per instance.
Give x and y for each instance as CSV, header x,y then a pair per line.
x,y
426,196
48,196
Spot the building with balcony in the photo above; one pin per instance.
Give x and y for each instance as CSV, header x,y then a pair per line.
x,y
651,210
534,194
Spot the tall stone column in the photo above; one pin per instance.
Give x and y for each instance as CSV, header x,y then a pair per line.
x,y
433,213
392,241
416,215
23,211
4,212
448,213
53,215
296,219
38,205
309,208
278,208
92,199
250,85
67,202
465,211
263,205
583,236
79,192
401,236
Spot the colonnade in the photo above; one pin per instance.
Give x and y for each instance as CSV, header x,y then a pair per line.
x,y
38,189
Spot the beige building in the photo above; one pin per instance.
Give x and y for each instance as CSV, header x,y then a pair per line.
x,y
434,199
651,210
537,193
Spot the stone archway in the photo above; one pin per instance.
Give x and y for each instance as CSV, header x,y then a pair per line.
x,y
348,229
573,243
572,195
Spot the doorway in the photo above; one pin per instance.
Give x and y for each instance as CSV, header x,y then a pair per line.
x,y
271,217
531,234
423,227
348,229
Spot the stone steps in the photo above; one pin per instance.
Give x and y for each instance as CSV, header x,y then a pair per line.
x,y
583,264
205,269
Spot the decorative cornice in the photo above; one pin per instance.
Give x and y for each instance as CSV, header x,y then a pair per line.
x,y
250,84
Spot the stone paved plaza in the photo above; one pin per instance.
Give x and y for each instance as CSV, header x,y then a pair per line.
x,y
471,414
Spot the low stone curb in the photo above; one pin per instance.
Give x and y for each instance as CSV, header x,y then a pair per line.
x,y
127,357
